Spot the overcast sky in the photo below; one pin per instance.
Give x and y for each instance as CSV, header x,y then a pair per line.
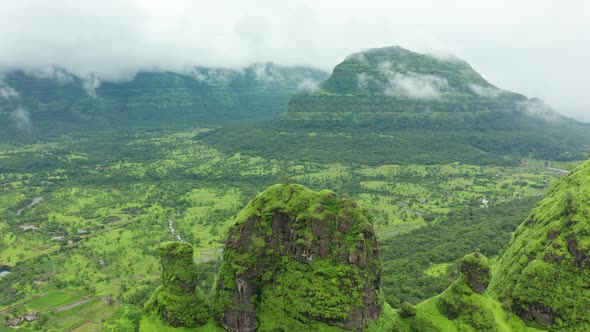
x,y
540,48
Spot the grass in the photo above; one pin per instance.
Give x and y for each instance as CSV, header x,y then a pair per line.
x,y
52,299
151,323
90,312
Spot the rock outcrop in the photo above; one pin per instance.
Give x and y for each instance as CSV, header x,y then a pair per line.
x,y
297,260
476,270
178,300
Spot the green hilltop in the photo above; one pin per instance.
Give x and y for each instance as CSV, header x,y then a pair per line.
x,y
298,260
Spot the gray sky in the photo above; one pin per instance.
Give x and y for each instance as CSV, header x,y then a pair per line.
x,y
540,48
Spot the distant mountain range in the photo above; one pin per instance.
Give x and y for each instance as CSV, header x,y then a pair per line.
x,y
60,102
384,105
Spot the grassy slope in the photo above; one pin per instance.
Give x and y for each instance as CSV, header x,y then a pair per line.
x,y
543,275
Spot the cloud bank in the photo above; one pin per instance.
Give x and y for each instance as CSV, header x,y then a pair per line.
x,y
535,47
21,119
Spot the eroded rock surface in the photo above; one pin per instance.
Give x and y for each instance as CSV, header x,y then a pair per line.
x,y
296,258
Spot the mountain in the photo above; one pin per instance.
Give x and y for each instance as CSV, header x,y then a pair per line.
x,y
544,275
394,82
60,102
392,105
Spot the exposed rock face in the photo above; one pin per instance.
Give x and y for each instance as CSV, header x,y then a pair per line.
x,y
463,300
544,274
296,258
178,300
476,269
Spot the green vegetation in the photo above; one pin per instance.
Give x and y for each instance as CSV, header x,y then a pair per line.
x,y
124,191
93,187
296,259
179,300
422,263
542,276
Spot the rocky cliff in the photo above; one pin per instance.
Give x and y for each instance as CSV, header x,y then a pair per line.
x,y
178,300
299,260
544,275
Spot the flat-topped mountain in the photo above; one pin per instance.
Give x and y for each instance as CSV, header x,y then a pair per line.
x,y
394,79
392,105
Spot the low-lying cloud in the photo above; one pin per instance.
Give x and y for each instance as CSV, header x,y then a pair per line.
x,y
7,92
90,84
402,84
514,49
414,85
489,92
308,84
537,108
22,119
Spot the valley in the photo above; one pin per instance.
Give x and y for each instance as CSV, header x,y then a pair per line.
x,y
105,208
145,205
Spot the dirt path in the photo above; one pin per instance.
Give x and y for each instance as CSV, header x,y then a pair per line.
x,y
72,305
558,170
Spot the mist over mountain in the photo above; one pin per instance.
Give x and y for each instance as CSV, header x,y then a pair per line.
x,y
511,44
390,105
34,106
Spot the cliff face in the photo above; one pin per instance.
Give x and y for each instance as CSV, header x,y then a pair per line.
x,y
545,273
298,259
178,300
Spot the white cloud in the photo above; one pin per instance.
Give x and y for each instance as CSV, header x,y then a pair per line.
x,y
267,73
21,118
538,108
90,84
308,84
402,84
509,42
363,80
415,85
489,92
7,92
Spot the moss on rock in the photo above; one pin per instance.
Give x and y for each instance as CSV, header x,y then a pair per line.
x,y
476,270
544,275
297,259
178,300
